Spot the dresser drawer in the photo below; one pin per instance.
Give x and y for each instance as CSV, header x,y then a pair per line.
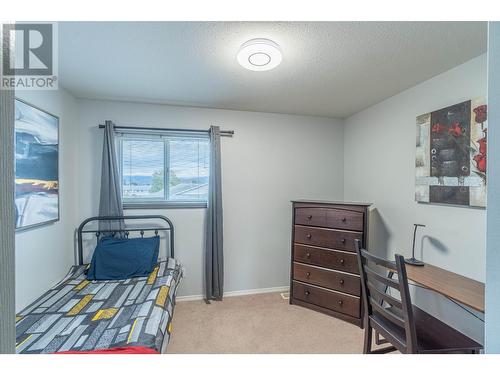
x,y
328,299
311,216
331,238
340,281
344,219
338,260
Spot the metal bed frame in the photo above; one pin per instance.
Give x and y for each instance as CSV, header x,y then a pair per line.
x,y
127,229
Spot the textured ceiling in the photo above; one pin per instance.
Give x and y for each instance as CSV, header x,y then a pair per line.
x,y
329,69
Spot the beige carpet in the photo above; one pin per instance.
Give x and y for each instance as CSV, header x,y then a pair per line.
x,y
260,323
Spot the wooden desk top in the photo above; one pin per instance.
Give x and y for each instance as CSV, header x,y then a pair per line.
x,y
457,287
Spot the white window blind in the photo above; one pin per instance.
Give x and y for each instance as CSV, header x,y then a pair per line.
x,y
163,168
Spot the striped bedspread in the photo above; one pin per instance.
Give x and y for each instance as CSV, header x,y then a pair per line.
x,y
78,314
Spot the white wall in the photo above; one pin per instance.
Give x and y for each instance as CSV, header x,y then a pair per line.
x,y
44,254
271,160
380,168
492,328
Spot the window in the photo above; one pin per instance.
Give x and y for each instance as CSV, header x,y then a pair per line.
x,y
163,169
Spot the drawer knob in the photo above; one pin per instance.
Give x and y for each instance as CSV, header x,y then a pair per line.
x,y
344,219
308,255
310,217
340,302
308,236
307,292
341,281
308,274
342,261
343,241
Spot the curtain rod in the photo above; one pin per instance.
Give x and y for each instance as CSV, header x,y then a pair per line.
x,y
223,133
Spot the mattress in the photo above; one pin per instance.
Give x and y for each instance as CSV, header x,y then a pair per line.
x,y
83,315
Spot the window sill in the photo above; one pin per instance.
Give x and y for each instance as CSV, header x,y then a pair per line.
x,y
163,205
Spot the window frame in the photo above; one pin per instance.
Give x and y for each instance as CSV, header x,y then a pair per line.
x,y
166,137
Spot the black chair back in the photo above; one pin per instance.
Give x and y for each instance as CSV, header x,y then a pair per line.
x,y
387,301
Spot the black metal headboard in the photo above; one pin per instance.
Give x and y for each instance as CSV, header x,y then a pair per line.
x,y
127,228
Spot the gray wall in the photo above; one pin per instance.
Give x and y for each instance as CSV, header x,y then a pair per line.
x,y
44,254
380,168
492,231
270,160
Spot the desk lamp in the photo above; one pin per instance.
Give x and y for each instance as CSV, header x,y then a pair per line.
x,y
413,261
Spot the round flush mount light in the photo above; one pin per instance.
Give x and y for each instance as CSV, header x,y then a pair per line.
x,y
259,55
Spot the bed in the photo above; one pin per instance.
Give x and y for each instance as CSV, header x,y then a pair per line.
x,y
109,315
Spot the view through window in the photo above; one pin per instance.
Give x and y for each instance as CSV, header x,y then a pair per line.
x,y
167,168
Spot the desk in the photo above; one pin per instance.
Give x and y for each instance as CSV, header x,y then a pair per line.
x,y
457,287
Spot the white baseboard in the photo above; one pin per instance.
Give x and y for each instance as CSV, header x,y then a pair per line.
x,y
278,289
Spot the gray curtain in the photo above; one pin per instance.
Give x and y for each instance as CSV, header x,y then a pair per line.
x,y
110,203
214,259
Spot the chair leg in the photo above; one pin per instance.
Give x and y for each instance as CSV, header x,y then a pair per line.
x,y
367,346
379,340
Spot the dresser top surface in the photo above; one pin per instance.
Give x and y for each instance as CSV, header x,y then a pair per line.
x,y
332,202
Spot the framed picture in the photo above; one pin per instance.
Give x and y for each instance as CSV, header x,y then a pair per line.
x,y
37,166
451,155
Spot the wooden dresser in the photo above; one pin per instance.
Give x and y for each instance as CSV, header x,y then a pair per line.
x,y
324,274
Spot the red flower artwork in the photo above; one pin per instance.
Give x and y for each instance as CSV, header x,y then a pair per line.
x,y
482,145
455,129
480,162
438,128
481,113
480,158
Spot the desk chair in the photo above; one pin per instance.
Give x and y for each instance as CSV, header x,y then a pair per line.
x,y
390,313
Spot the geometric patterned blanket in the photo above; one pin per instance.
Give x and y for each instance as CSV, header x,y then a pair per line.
x,y
78,314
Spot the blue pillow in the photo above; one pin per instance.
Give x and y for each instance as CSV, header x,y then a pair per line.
x,y
116,258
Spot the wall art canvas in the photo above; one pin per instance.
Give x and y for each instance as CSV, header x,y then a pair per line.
x,y
451,155
37,166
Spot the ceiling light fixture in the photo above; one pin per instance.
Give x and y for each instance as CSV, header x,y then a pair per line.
x,y
259,55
